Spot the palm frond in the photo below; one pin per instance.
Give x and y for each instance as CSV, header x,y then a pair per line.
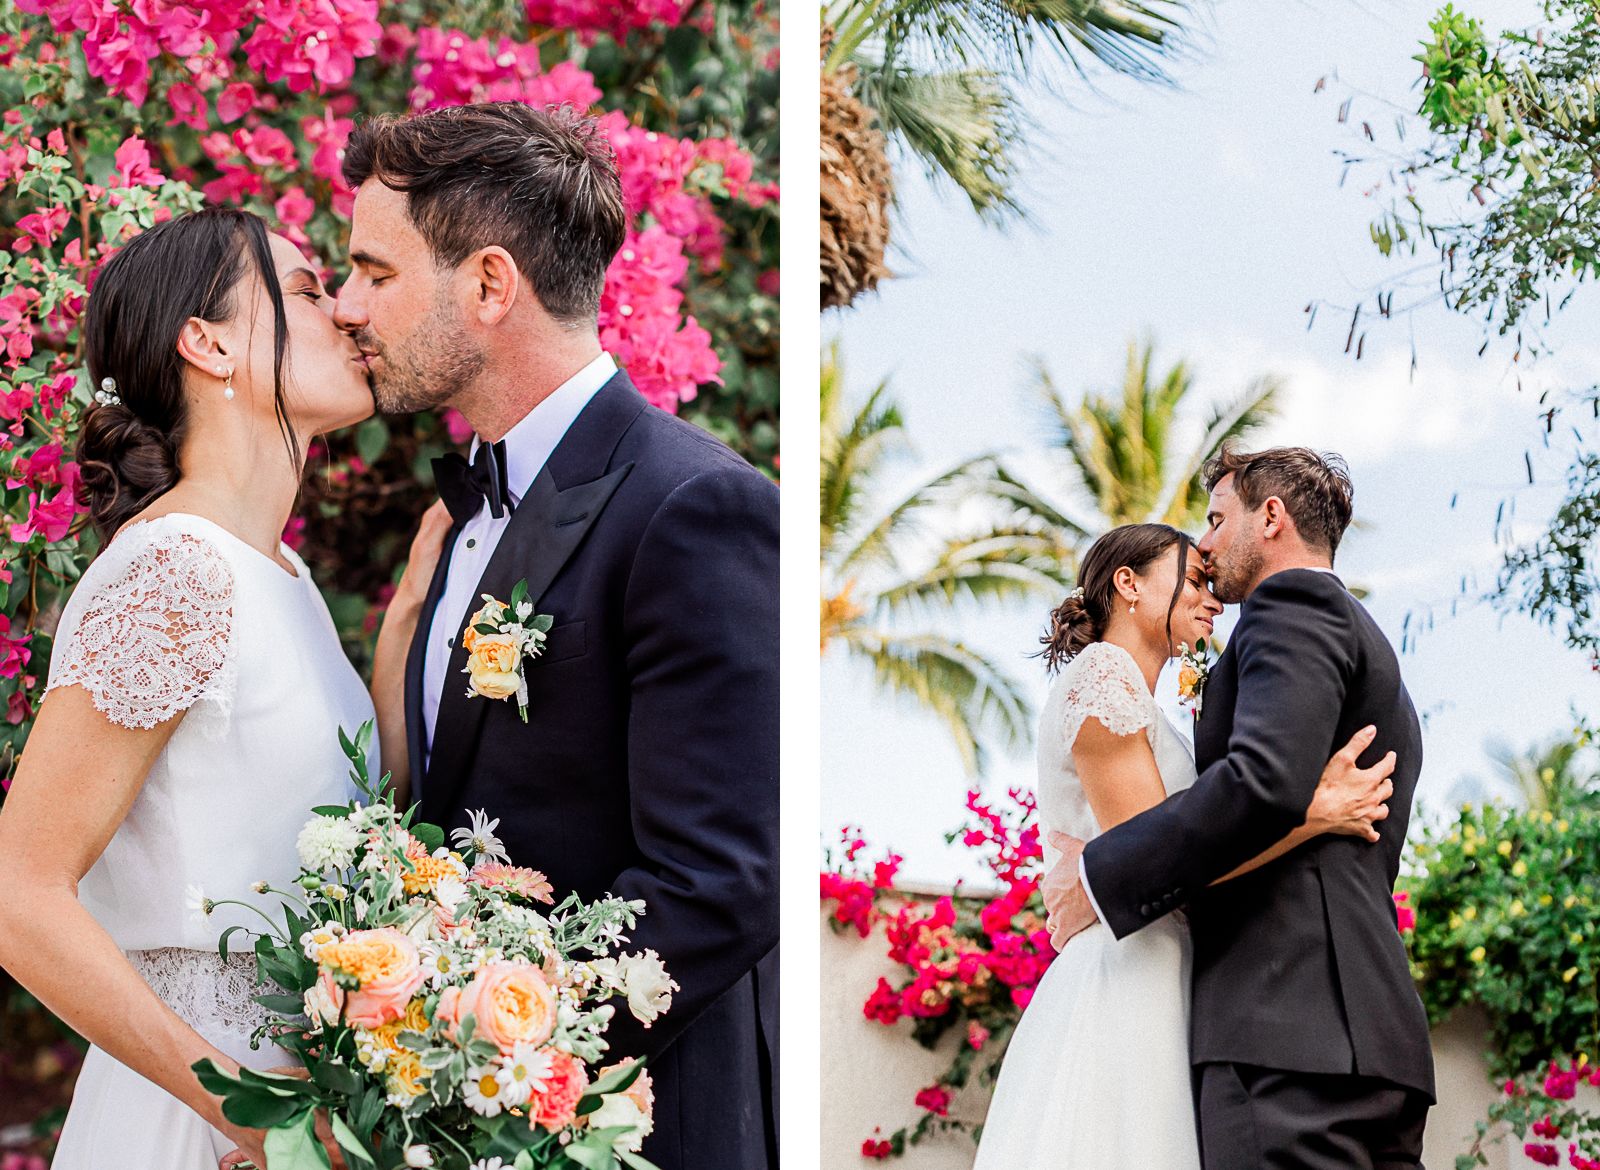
x,y
876,545
992,565
971,695
1235,419
963,125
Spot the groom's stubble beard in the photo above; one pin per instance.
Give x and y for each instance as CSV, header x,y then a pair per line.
x,y
1234,572
436,363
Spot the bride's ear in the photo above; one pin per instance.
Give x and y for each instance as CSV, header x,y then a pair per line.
x,y
200,344
1126,582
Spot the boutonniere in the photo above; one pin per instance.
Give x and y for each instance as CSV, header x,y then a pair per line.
x,y
1194,668
499,640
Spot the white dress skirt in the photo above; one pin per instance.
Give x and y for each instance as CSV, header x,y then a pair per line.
x,y
1096,1076
178,615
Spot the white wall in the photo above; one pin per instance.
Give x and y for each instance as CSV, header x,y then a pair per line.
x,y
870,1074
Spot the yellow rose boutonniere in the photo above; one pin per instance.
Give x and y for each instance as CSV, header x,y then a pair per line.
x,y
1194,668
499,640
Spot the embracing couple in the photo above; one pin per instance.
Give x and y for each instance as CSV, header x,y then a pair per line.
x,y
1232,990
197,685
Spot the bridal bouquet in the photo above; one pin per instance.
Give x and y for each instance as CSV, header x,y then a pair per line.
x,y
448,1011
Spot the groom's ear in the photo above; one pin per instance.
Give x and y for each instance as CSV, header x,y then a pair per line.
x,y
1278,521
496,283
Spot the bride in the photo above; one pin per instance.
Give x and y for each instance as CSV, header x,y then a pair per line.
x,y
196,684
1097,1072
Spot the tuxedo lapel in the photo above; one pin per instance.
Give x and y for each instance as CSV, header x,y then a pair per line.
x,y
416,658
545,531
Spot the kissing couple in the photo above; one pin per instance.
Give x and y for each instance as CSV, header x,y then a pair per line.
x,y
1232,990
197,686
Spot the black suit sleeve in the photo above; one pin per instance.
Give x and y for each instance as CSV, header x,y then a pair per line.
x,y
1295,652
701,620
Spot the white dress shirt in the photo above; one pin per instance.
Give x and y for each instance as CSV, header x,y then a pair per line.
x,y
528,447
1083,870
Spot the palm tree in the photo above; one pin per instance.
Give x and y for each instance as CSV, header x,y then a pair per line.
x,y
894,577
1122,451
1550,776
939,79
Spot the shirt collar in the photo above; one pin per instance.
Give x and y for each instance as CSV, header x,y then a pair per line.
x,y
530,443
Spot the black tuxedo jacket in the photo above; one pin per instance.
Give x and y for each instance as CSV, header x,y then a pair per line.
x,y
648,767
1298,965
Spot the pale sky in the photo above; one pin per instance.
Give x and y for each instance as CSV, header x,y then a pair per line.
x,y
1207,217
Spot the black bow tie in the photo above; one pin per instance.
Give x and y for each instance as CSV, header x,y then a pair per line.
x,y
465,486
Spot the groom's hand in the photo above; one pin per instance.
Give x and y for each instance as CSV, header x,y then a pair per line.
x,y
1066,902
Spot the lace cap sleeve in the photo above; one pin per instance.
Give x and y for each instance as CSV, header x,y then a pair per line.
x,y
1105,684
154,635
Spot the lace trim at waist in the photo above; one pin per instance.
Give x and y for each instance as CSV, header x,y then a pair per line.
x,y
209,994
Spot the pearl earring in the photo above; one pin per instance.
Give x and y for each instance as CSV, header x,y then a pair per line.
x,y
227,391
1133,607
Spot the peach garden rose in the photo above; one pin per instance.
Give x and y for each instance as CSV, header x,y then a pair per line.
x,y
511,1002
387,967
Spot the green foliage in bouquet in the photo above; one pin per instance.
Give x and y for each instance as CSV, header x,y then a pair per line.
x,y
1505,919
391,976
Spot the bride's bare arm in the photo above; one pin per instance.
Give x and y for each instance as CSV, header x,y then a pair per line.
x,y
75,784
394,644
1118,773
1349,800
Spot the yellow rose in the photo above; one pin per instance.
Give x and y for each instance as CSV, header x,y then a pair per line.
x,y
1504,848
1188,680
491,610
1520,869
493,665
1478,954
1470,913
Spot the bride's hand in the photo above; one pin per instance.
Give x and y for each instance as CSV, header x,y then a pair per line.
x,y
426,548
250,1151
1350,799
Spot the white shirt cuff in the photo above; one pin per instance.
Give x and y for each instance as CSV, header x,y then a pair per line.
x,y
1083,876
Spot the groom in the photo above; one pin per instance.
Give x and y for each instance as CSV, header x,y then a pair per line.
x,y
1308,1040
647,767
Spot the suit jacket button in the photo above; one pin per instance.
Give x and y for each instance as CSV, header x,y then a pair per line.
x,y
1144,910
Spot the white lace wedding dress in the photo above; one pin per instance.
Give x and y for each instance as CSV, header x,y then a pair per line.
x,y
177,614
1097,1072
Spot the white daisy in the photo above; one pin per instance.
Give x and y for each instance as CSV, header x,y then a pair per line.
x,y
419,1156
483,1093
312,941
438,964
489,1164
481,837
526,1071
198,904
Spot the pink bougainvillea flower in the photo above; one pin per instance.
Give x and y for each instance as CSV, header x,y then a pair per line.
x,y
14,652
235,101
52,519
189,106
133,167
41,227
935,1099
294,208
312,43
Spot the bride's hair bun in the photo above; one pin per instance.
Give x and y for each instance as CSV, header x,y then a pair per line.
x,y
1081,619
1072,627
124,464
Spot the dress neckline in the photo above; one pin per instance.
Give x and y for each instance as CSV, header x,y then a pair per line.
x,y
295,575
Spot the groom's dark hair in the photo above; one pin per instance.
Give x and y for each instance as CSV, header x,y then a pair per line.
x,y
540,183
1315,488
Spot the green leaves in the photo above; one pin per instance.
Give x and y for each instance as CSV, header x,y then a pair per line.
x,y
295,1146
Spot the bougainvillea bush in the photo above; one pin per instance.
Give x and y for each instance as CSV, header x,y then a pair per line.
x,y
970,963
120,115
1498,908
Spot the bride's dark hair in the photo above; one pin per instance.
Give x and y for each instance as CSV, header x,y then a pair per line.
x,y
1081,619
191,266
